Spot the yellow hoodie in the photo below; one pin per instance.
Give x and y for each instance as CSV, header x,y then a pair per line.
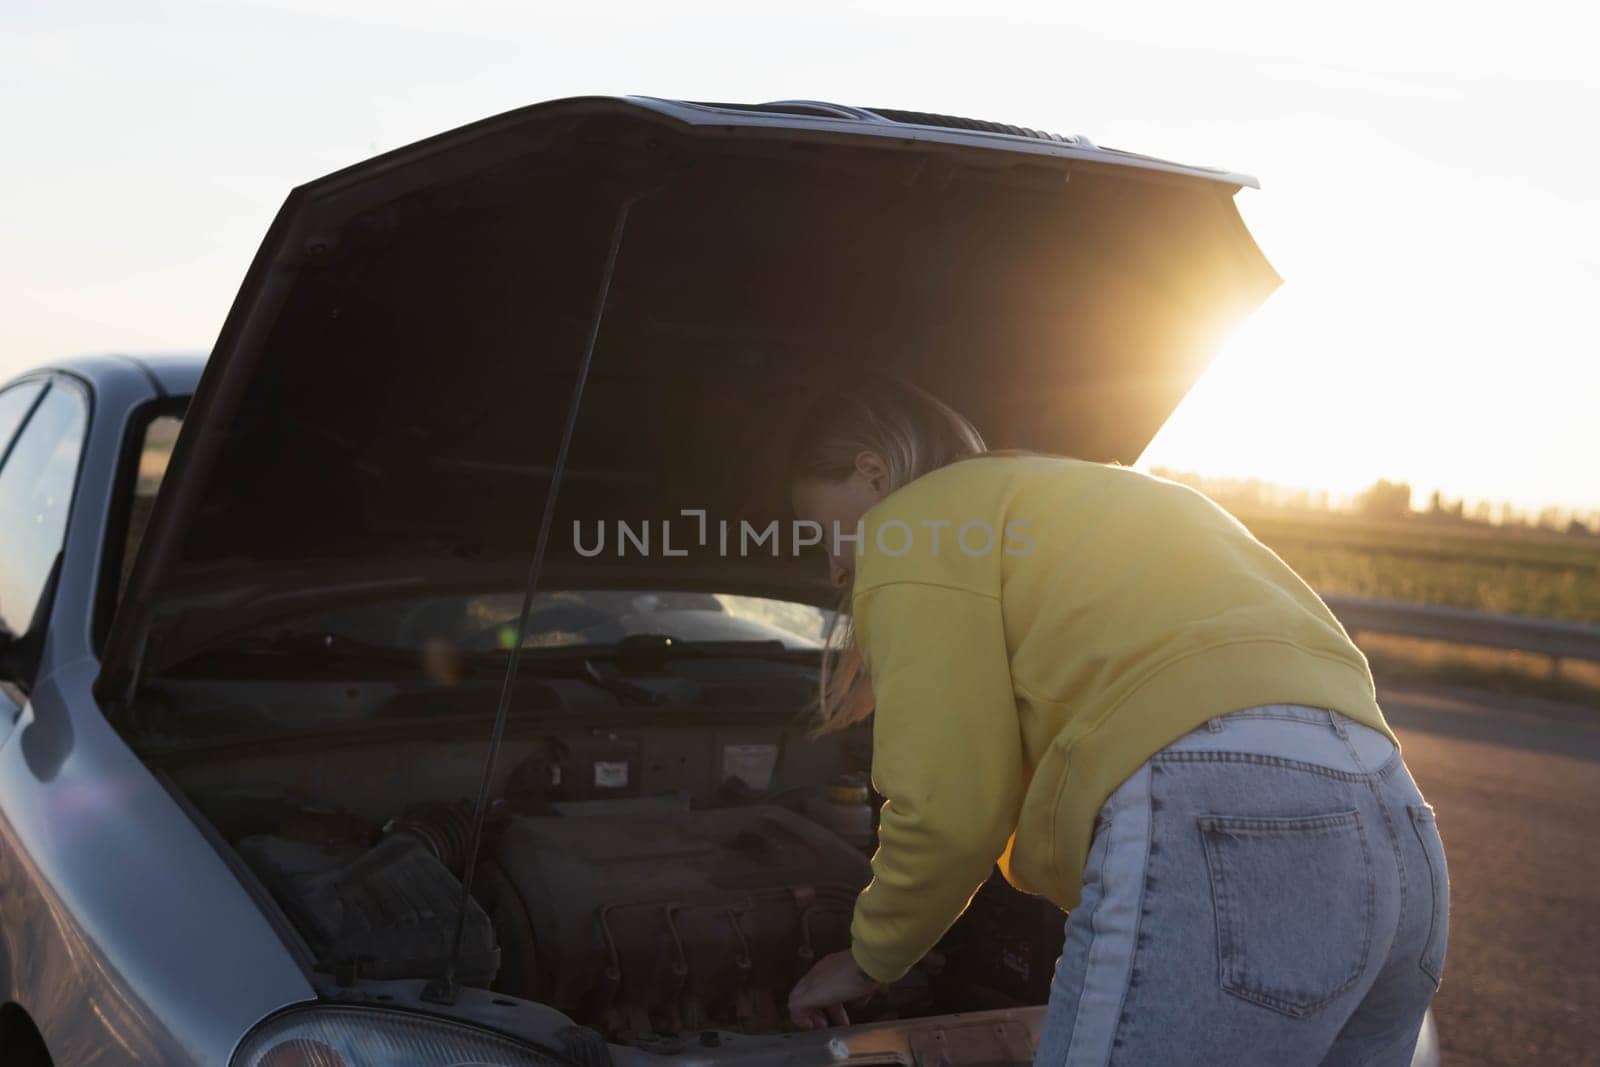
x,y
1036,628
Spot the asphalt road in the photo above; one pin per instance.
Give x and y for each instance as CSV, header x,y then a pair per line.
x,y
1516,784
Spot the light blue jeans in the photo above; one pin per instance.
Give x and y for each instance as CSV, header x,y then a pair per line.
x,y
1269,889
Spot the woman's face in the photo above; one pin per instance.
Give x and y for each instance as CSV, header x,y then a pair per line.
x,y
838,504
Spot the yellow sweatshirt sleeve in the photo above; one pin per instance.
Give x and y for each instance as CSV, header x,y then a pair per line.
x,y
947,758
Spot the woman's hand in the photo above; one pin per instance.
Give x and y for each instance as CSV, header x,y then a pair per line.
x,y
818,999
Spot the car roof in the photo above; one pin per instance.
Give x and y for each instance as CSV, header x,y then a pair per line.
x,y
172,373
177,373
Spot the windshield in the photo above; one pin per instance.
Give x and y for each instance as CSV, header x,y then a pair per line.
x,y
487,622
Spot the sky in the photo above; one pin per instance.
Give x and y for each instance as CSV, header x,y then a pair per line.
x,y
1430,179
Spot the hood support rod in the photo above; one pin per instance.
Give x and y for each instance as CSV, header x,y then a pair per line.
x,y
445,989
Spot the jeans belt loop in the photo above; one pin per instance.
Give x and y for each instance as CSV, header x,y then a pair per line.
x,y
1337,722
1214,725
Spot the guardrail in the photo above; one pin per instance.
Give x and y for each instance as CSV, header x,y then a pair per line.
x,y
1546,637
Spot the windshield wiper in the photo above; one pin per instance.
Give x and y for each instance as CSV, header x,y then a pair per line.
x,y
318,645
607,666
638,652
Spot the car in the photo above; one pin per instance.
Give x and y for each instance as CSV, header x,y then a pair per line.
x,y
419,679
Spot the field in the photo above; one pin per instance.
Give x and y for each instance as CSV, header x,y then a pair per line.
x,y
1512,570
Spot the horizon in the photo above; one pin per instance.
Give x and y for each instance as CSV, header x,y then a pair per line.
x,y
1229,490
1431,329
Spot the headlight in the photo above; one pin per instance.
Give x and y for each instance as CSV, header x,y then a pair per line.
x,y
361,1037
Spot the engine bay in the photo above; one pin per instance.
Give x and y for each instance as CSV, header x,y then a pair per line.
x,y
649,881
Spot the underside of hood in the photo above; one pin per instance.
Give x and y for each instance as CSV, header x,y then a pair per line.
x,y
386,400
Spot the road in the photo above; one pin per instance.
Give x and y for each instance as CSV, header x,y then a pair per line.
x,y
1516,784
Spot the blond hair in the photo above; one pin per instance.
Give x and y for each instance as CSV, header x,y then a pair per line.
x,y
914,433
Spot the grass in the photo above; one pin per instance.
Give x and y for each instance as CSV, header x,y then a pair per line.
x,y
1488,568
1396,660
1510,570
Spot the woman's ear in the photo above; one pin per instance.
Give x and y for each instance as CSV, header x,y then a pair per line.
x,y
871,466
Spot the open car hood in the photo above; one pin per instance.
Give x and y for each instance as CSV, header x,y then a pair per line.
x,y
386,399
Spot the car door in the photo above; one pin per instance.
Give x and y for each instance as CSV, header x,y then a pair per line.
x,y
125,937
42,425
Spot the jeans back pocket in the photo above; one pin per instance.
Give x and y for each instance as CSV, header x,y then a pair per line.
x,y
1433,949
1294,906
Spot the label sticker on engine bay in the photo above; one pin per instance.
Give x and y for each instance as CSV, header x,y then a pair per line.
x,y
610,774
751,764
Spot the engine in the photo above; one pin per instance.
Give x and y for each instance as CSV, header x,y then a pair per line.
x,y
646,886
643,916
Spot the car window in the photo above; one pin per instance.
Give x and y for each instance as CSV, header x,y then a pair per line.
x,y
15,403
35,494
155,452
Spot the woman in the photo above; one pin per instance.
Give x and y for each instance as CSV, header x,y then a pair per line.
x,y
1102,682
